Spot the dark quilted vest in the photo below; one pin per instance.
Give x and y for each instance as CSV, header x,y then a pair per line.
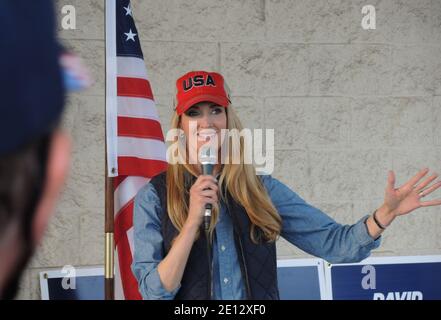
x,y
257,262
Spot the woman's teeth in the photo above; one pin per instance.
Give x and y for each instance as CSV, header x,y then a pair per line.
x,y
205,136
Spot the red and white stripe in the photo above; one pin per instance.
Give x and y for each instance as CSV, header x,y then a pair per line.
x,y
140,155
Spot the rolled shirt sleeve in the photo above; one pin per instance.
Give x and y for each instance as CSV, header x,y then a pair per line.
x,y
315,232
148,245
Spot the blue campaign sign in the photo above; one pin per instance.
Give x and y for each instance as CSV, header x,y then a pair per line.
x,y
73,284
301,279
387,278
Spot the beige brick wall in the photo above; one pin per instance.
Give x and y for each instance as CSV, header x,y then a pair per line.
x,y
346,104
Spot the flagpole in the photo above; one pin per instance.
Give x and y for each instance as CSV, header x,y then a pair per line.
x,y
109,240
109,253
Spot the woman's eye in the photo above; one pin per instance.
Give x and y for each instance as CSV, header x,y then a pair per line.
x,y
217,110
192,113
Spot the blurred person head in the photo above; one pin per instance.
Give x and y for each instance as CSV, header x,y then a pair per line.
x,y
34,153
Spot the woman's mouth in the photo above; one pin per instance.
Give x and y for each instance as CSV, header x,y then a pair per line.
x,y
207,135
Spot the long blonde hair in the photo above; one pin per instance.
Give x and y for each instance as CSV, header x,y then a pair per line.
x,y
241,182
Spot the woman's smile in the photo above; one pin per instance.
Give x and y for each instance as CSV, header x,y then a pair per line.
x,y
207,135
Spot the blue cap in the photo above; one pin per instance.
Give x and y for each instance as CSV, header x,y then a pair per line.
x,y
31,82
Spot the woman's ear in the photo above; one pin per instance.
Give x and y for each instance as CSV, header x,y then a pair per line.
x,y
57,168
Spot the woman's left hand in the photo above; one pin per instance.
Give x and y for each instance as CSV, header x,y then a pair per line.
x,y
408,197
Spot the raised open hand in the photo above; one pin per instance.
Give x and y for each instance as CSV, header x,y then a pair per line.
x,y
408,197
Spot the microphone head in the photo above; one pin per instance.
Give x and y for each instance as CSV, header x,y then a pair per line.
x,y
207,155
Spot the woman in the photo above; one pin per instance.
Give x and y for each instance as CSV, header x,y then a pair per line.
x,y
250,212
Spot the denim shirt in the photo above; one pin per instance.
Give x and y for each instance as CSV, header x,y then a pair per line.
x,y
303,225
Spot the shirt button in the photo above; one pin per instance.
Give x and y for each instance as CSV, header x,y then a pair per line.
x,y
225,280
223,248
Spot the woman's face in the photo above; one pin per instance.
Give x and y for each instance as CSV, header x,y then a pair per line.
x,y
203,122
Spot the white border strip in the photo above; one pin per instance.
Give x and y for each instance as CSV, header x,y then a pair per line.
x,y
131,67
137,108
283,263
127,190
142,148
111,90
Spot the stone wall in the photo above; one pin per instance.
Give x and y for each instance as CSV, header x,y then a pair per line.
x,y
346,104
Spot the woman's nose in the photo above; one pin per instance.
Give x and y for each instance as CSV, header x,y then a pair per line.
x,y
205,122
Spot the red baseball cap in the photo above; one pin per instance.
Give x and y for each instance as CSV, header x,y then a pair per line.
x,y
198,86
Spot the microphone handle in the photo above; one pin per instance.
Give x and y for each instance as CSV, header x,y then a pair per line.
x,y
207,169
207,216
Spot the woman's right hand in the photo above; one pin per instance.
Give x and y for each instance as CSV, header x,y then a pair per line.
x,y
203,191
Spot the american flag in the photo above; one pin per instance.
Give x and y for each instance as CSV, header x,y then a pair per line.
x,y
135,144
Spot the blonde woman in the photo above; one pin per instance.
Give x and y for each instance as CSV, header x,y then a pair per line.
x,y
250,212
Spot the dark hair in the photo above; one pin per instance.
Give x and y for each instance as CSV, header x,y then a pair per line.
x,y
22,176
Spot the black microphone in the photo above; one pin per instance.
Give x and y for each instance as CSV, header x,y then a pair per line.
x,y
208,159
